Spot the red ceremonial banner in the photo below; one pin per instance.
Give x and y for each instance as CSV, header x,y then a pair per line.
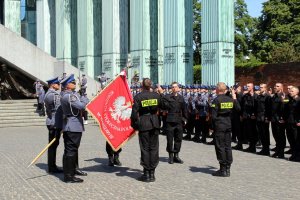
x,y
112,109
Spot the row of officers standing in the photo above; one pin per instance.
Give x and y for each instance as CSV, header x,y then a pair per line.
x,y
217,111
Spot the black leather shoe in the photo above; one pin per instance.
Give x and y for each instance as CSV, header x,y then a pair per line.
x,y
80,173
72,179
220,173
250,150
187,137
211,142
145,177
278,155
238,147
274,149
117,161
152,176
177,159
171,158
54,170
196,139
264,153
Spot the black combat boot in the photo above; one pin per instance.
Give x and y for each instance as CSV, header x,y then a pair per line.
x,y
68,165
171,158
228,170
177,159
250,149
264,152
152,176
239,146
187,137
116,160
77,170
110,160
221,172
145,177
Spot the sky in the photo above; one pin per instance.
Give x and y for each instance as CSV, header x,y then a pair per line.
x,y
254,7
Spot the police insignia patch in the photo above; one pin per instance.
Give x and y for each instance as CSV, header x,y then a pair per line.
x,y
73,98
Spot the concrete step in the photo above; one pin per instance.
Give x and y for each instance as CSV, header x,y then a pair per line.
x,y
24,114
19,110
16,106
14,121
21,101
22,124
20,117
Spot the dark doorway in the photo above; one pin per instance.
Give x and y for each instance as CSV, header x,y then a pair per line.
x,y
2,12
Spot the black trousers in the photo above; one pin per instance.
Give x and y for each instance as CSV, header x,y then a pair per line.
x,y
278,130
223,146
72,143
174,137
264,134
236,129
297,147
149,146
291,134
190,124
52,149
110,151
251,132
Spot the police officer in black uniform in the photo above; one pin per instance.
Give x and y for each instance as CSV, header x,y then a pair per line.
x,y
277,120
222,108
52,102
72,106
145,119
175,105
263,119
249,107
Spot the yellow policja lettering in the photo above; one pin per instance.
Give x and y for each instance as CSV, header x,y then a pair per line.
x,y
149,102
226,105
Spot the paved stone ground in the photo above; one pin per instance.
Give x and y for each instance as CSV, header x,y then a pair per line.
x,y
253,176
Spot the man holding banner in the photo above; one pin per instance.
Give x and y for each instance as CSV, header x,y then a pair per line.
x,y
145,119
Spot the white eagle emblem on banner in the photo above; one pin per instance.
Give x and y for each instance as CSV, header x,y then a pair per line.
x,y
121,110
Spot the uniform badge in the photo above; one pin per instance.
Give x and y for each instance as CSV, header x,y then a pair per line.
x,y
73,98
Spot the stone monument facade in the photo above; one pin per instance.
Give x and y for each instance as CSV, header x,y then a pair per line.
x,y
217,40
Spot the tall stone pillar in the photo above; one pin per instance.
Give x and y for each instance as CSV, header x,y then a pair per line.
x,y
160,39
45,26
143,38
87,23
66,31
115,34
12,15
178,40
217,40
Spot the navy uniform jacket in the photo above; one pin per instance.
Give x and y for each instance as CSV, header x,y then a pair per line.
x,y
176,108
72,106
145,109
52,102
278,106
222,108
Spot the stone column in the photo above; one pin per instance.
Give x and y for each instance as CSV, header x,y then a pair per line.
x,y
115,34
66,31
45,26
87,22
143,38
160,39
12,15
217,42
178,59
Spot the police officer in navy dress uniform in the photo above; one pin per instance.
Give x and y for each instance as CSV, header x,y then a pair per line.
x,y
52,102
222,108
72,106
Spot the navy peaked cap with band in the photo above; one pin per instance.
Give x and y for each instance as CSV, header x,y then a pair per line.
x,y
67,80
53,81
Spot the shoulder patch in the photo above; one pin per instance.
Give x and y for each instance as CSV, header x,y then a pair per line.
x,y
73,98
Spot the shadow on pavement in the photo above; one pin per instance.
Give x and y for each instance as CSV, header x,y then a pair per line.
x,y
118,170
163,159
44,167
205,170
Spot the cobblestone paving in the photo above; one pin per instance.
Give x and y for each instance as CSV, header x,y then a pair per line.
x,y
253,176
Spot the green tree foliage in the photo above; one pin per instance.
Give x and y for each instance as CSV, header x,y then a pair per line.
x,y
197,74
277,38
244,28
197,31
